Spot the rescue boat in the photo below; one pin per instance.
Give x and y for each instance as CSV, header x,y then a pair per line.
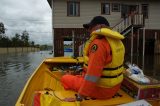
x,y
45,82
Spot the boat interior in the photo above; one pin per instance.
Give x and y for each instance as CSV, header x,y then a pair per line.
x,y
46,79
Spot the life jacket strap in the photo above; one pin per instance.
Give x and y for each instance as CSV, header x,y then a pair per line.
x,y
112,76
115,68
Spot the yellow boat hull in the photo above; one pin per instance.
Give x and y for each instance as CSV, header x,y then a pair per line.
x,y
43,78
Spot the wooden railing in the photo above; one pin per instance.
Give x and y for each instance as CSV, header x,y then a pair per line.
x,y
135,20
125,23
138,19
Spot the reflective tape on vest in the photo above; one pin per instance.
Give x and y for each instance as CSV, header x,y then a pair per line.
x,y
91,78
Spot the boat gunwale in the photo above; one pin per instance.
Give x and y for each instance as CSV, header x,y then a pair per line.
x,y
18,103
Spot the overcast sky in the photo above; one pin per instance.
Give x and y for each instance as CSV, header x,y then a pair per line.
x,y
33,16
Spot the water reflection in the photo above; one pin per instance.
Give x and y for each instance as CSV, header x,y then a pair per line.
x,y
15,69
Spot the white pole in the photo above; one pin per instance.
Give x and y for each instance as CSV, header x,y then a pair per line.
x,y
73,35
132,45
53,26
143,48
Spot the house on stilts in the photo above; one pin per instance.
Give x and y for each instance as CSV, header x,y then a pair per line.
x,y
137,20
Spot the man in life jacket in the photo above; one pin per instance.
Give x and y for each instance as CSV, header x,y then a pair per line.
x,y
103,63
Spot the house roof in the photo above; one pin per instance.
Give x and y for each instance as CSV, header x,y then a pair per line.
x,y
50,3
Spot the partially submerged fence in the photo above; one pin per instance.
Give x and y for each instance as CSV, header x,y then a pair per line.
x,y
18,49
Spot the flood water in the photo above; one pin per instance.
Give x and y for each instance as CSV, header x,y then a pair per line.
x,y
150,64
15,69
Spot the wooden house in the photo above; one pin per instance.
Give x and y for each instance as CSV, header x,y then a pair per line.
x,y
132,18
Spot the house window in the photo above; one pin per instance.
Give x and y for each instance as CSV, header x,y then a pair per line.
x,y
145,10
73,8
105,8
115,7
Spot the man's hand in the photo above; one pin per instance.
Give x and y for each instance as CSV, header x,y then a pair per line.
x,y
69,99
79,97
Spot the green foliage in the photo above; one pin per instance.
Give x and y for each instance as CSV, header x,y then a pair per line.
x,y
18,40
31,43
2,28
5,42
25,38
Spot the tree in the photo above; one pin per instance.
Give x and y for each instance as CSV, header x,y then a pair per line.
x,y
16,40
25,38
5,42
2,31
2,28
32,43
